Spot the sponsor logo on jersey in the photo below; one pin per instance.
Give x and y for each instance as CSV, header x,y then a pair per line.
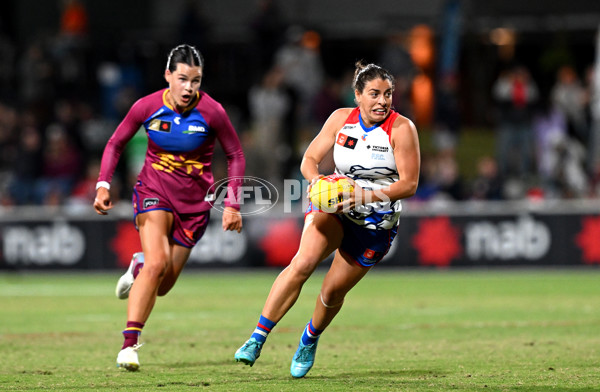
x,y
149,202
380,148
347,141
159,125
195,129
177,120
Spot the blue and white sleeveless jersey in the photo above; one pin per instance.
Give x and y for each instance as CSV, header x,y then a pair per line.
x,y
366,156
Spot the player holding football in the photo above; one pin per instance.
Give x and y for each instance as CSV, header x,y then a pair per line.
x,y
171,211
377,148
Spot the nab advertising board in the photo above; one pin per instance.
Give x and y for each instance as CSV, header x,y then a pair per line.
x,y
440,239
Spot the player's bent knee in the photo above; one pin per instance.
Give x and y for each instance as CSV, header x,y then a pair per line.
x,y
332,300
333,296
155,270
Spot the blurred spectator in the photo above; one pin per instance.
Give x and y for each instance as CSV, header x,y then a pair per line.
x,y
69,49
66,115
487,184
120,81
572,174
57,79
561,156
395,57
327,100
428,184
347,94
515,93
300,60
36,75
550,131
446,124
269,105
26,166
440,178
268,29
61,166
84,190
589,88
449,178
569,96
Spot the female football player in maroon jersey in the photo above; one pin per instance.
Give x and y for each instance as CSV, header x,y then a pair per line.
x,y
170,201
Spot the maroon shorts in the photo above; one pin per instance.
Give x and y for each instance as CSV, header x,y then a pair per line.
x,y
187,228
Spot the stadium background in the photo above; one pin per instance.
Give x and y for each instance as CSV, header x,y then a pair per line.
x,y
118,52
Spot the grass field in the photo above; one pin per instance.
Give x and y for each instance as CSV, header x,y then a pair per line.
x,y
518,330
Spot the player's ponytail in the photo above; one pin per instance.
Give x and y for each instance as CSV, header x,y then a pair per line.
x,y
366,72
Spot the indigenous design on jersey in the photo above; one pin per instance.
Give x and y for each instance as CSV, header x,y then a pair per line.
x,y
366,156
170,162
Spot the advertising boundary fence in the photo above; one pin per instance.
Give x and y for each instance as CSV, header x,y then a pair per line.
x,y
471,234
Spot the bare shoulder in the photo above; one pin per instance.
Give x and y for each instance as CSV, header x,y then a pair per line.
x,y
404,133
340,115
336,121
404,124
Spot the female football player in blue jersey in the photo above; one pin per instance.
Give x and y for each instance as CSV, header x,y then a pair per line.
x,y
170,210
378,149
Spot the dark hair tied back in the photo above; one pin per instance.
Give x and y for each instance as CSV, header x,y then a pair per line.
x,y
185,54
366,72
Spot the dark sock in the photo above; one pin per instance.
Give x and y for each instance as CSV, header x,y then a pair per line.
x,y
132,333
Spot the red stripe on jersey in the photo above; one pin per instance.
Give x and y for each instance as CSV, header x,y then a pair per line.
x,y
388,124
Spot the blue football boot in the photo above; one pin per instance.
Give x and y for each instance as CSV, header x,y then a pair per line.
x,y
303,360
249,352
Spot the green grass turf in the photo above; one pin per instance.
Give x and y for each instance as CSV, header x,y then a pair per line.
x,y
399,330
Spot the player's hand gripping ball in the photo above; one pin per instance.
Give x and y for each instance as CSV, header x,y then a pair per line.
x,y
329,191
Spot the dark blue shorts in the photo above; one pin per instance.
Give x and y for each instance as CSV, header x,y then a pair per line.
x,y
365,246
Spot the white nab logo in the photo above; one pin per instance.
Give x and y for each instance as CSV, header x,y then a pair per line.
x,y
177,120
505,240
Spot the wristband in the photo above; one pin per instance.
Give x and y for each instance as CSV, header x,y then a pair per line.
x,y
102,184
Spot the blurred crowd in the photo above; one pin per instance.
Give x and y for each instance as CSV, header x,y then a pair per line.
x,y
544,144
58,108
